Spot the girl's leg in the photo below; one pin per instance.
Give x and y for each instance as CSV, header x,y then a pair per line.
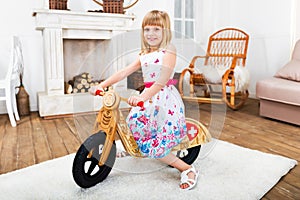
x,y
179,164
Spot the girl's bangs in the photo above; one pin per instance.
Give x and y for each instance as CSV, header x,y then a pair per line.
x,y
153,21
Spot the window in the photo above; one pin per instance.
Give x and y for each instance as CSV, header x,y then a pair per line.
x,y
184,19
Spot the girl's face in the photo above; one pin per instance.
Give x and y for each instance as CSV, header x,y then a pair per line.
x,y
153,35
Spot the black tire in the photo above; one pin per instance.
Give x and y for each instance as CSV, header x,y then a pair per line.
x,y
189,155
86,171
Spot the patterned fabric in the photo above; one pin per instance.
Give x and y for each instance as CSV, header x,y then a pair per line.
x,y
161,124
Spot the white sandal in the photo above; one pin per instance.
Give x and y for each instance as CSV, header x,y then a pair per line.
x,y
186,180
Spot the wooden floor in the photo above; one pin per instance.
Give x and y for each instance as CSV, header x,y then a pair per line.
x,y
35,139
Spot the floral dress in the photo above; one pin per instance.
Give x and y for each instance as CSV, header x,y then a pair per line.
x,y
161,124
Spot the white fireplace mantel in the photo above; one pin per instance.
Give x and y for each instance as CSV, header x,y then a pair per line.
x,y
57,25
82,25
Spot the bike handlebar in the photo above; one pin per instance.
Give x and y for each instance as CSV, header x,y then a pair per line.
x,y
140,104
101,93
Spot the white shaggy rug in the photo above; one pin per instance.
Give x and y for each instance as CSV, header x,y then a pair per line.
x,y
227,171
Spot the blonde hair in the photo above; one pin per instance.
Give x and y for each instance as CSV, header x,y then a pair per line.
x,y
156,18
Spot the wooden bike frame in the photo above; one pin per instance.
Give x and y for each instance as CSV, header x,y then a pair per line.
x,y
111,120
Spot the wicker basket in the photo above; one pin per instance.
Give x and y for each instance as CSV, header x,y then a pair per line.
x,y
58,4
113,6
136,81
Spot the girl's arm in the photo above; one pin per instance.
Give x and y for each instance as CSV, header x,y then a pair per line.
x,y
118,76
167,69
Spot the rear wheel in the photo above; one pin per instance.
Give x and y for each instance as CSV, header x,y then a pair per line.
x,y
189,155
86,171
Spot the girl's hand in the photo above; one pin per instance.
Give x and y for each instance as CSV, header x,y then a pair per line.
x,y
134,100
94,88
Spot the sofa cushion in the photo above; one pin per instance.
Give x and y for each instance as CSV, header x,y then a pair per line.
x,y
280,90
290,71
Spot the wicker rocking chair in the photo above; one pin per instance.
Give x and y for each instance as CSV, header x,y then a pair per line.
x,y
223,67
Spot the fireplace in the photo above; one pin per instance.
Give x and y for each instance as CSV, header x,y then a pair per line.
x,y
57,26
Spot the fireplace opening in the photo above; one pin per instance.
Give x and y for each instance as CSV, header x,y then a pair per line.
x,y
93,60
84,59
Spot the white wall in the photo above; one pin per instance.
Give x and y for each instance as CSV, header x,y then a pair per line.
x,y
271,30
16,19
296,20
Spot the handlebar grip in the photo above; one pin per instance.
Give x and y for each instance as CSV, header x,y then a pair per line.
x,y
99,93
140,104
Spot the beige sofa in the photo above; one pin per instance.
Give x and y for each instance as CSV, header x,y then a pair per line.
x,y
279,96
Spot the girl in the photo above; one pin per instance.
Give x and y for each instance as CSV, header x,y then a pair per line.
x,y
161,124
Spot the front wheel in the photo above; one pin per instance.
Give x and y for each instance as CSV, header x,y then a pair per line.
x,y
86,171
189,155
